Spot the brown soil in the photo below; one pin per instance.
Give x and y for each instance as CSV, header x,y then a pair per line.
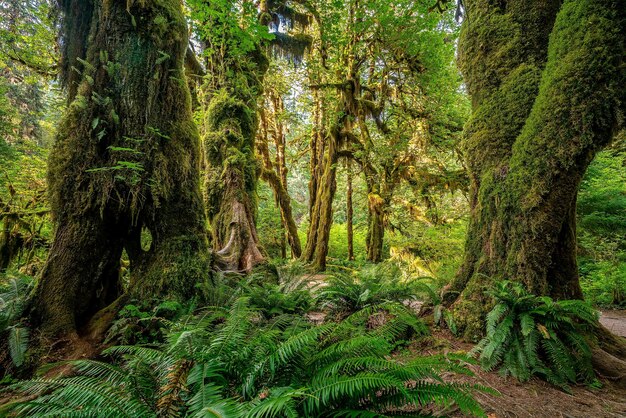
x,y
534,398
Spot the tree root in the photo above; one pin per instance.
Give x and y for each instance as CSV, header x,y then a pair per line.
x,y
609,356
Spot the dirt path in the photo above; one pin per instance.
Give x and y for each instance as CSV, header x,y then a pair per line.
x,y
532,399
614,321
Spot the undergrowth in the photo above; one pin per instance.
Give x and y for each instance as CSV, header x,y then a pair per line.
x,y
233,362
534,335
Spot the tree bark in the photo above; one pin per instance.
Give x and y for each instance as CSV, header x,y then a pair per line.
x,y
539,116
375,227
276,176
318,237
230,182
125,157
349,211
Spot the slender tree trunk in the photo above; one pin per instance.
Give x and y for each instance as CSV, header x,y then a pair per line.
x,y
316,249
349,211
376,227
125,157
315,166
279,186
284,200
533,132
279,142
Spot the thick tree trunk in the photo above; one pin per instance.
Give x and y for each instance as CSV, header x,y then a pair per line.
x,y
125,157
533,132
230,182
81,275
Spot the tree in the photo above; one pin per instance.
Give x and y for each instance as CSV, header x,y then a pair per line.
x,y
275,173
393,87
125,160
236,38
544,78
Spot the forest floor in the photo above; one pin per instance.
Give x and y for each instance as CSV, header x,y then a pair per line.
x,y
532,399
535,398
614,321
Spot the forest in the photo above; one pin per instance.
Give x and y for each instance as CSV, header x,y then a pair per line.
x,y
312,208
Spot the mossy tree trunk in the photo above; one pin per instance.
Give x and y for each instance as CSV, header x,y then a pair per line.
x,y
349,211
275,173
376,207
545,80
236,66
230,182
321,217
125,158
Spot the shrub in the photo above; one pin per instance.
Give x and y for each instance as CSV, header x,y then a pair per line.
x,y
349,292
534,335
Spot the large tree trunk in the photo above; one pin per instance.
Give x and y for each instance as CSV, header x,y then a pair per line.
x,y
125,157
230,183
539,116
230,125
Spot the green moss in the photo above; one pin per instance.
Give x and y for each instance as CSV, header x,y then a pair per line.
x,y
126,157
534,129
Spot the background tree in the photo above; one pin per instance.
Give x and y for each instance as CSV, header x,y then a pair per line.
x,y
386,85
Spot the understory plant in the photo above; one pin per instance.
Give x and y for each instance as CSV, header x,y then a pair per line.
x,y
534,335
13,295
233,363
348,292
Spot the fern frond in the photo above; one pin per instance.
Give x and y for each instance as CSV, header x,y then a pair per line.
x,y
18,343
282,402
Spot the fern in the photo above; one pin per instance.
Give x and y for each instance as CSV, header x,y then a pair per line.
x,y
12,304
535,335
236,363
18,344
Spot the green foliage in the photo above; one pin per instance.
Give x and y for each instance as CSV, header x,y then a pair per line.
x,y
143,323
534,335
13,295
601,214
338,245
226,362
277,299
369,286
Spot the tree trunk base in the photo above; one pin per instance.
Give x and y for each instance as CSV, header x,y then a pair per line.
x,y
609,356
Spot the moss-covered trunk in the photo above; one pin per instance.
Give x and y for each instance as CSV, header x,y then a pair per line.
x,y
230,182
125,158
349,211
376,207
540,113
321,217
